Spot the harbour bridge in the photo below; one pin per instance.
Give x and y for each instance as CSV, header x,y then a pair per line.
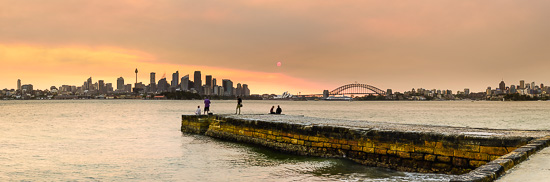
x,y
355,89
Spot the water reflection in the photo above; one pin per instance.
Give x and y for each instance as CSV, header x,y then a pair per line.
x,y
288,167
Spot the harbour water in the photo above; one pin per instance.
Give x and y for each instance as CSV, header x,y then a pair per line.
x,y
139,140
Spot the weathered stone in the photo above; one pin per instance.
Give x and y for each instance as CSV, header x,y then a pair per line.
x,y
417,156
506,163
443,158
404,155
460,162
429,157
426,150
402,150
368,150
381,151
444,151
493,150
346,147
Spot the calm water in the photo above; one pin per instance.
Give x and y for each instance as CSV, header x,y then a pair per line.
x,y
135,140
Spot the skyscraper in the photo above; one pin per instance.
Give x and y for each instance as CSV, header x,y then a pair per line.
x,y
90,85
227,87
209,81
152,83
214,82
120,84
101,87
198,82
239,90
184,83
246,91
175,79
162,85
19,84
522,84
502,86
512,89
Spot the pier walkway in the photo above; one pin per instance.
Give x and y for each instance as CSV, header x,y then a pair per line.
x,y
467,154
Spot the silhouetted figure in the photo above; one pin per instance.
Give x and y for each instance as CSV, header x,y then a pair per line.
x,y
279,110
271,111
239,105
206,105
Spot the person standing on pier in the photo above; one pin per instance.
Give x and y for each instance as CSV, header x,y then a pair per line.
x,y
206,105
239,105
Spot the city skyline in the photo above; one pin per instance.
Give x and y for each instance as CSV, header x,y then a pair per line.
x,y
398,45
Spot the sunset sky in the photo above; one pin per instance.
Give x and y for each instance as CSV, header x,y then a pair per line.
x,y
321,44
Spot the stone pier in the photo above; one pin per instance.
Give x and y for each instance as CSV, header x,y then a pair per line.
x,y
468,154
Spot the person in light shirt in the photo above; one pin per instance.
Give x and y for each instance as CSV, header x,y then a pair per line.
x,y
198,111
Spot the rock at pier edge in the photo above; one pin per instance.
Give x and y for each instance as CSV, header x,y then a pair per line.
x,y
469,154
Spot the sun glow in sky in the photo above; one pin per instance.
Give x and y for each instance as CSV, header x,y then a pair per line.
x,y
324,44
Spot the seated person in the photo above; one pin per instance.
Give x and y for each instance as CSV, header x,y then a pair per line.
x,y
279,110
271,111
198,111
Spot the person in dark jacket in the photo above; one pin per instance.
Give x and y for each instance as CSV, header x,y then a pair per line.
x,y
271,111
279,110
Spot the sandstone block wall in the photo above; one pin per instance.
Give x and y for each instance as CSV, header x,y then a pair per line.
x,y
399,150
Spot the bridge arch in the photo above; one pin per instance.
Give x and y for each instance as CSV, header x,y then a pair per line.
x,y
357,88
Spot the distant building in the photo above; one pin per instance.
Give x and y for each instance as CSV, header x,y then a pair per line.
x,y
388,92
101,87
198,82
502,86
120,84
246,91
128,88
325,93
522,84
227,87
184,86
208,81
239,90
513,89
175,79
108,87
152,82
27,89
214,82
466,91
162,85
18,84
89,84
488,91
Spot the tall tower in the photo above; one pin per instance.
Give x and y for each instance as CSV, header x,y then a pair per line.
x,y
120,84
502,86
152,84
136,75
198,82
209,81
90,85
522,84
18,84
175,79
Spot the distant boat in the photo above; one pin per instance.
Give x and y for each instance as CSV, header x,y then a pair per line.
x,y
334,98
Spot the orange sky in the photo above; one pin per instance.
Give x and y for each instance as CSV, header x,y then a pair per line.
x,y
322,44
